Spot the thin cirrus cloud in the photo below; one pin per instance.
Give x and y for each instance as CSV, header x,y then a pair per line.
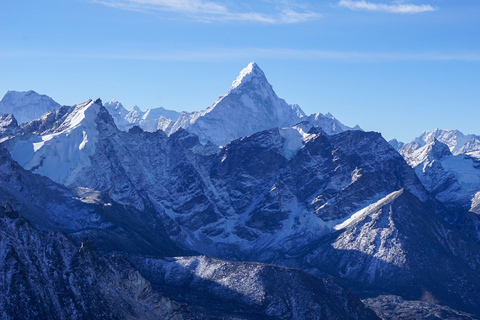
x,y
209,11
382,7
217,54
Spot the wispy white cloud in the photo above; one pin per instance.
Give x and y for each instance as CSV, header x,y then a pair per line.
x,y
209,11
291,16
248,54
183,6
396,7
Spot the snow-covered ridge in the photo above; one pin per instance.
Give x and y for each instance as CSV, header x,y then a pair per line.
x,y
362,214
69,146
433,150
457,142
251,105
329,123
295,138
149,120
263,291
454,179
8,127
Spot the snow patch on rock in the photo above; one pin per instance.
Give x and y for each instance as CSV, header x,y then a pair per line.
x,y
362,214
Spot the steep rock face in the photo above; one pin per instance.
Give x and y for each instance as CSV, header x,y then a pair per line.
x,y
385,248
8,127
48,122
278,206
46,276
81,212
250,106
34,195
251,290
59,144
26,106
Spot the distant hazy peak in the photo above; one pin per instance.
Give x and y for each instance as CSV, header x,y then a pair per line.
x,y
457,142
12,95
26,105
114,104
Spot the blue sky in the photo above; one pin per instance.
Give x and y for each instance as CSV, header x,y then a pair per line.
x,y
397,67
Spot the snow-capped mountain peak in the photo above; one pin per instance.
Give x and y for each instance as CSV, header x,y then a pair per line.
x,y
119,113
250,72
115,107
81,115
114,103
432,150
26,106
250,106
457,142
329,123
252,79
445,161
61,152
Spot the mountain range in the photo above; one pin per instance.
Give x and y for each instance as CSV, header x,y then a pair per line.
x,y
248,209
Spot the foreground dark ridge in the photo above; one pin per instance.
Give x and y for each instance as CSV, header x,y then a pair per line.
x,y
45,275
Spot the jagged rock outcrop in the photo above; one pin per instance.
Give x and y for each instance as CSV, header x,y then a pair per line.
x,y
8,127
